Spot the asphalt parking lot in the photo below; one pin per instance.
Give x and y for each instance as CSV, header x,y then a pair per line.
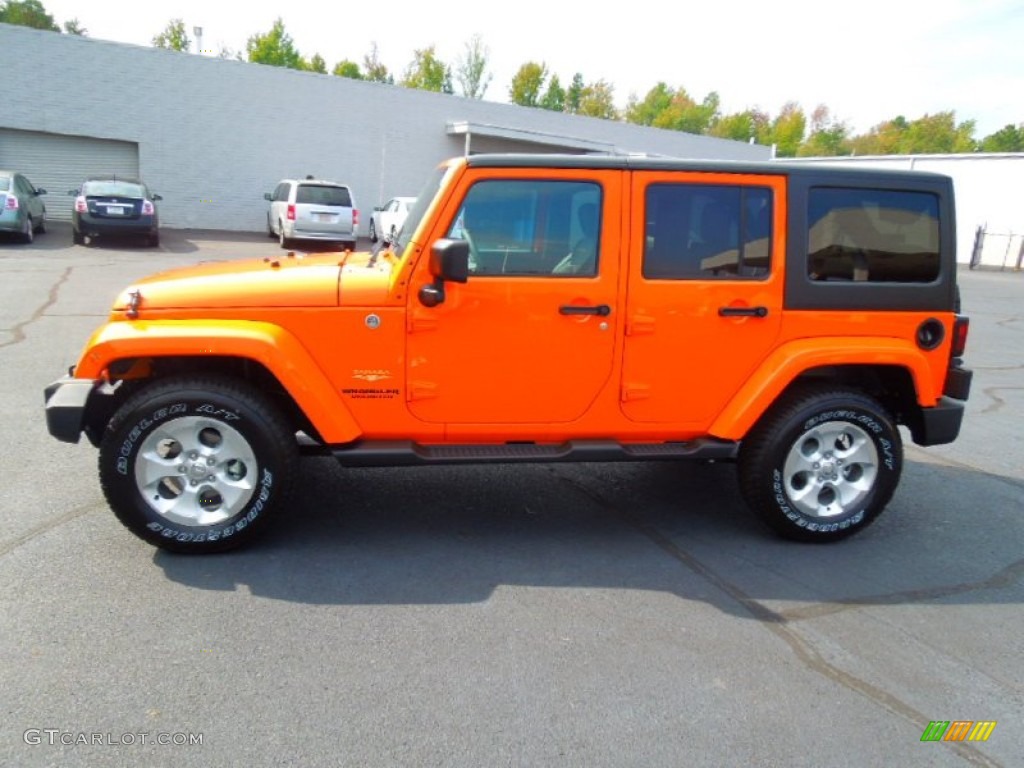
x,y
598,615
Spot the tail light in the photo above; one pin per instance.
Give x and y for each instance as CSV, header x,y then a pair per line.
x,y
291,213
355,217
80,206
12,203
960,328
147,208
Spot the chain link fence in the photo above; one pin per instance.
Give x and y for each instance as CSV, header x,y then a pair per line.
x,y
997,250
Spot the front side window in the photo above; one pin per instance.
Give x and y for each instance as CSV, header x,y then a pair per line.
x,y
876,236
707,231
519,227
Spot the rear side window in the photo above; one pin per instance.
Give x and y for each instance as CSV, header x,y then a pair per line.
x,y
707,231
875,236
5,183
322,194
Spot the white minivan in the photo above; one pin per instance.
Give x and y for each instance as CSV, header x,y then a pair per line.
x,y
312,209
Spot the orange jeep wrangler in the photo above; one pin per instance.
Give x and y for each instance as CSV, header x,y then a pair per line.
x,y
547,308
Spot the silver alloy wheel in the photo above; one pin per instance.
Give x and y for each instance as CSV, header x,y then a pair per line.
x,y
196,471
830,469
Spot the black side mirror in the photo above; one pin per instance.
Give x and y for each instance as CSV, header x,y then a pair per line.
x,y
449,261
157,197
40,191
377,208
268,197
73,192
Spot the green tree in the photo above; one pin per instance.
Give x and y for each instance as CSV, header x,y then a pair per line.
x,y
938,134
471,69
74,27
374,70
882,139
574,94
349,69
27,13
317,64
828,137
275,48
1007,139
645,112
554,97
743,126
427,72
598,100
787,131
173,37
527,84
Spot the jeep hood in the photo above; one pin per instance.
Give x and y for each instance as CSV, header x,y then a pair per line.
x,y
290,280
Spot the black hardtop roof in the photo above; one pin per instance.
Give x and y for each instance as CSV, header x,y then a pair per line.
x,y
644,163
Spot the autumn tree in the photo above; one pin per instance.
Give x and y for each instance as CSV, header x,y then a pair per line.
x,y
173,37
598,100
27,13
427,72
787,130
645,112
743,126
471,69
828,136
527,84
275,48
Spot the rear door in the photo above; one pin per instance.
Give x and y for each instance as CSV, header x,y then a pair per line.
x,y
705,280
324,209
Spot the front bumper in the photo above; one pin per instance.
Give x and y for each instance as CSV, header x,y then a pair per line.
x,y
66,402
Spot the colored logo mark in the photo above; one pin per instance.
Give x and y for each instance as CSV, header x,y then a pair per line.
x,y
958,730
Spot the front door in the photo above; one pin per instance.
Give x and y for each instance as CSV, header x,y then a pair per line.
x,y
705,291
529,338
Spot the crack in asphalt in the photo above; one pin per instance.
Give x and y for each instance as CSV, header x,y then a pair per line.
x,y
18,331
779,625
997,401
8,546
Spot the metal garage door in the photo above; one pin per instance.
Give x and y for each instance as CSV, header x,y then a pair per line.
x,y
58,163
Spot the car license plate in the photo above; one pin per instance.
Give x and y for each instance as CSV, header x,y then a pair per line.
x,y
325,217
115,210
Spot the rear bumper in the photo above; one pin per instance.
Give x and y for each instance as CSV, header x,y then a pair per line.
x,y
938,425
92,225
12,221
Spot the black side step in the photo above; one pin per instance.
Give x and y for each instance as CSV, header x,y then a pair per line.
x,y
404,453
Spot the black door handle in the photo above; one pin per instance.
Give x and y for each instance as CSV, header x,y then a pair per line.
x,y
571,309
743,311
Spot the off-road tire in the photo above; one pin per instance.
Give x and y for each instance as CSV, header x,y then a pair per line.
x,y
821,464
197,464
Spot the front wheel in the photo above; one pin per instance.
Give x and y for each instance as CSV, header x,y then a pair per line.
x,y
822,464
373,232
197,464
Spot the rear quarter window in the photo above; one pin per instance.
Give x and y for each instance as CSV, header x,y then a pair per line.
x,y
319,194
873,236
5,183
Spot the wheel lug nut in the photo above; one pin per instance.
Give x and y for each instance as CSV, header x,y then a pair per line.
x,y
195,482
817,465
182,469
194,455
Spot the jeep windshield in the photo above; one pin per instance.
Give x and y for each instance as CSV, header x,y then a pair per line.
x,y
435,182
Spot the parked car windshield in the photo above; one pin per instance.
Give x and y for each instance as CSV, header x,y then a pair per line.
x,y
112,189
322,194
435,182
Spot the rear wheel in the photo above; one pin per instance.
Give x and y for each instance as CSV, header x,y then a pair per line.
x,y
373,232
284,241
28,232
822,464
41,226
77,237
197,464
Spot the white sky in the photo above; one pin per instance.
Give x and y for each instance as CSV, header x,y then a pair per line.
x,y
868,60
